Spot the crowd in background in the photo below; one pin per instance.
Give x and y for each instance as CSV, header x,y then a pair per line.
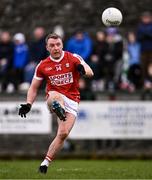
x,y
119,62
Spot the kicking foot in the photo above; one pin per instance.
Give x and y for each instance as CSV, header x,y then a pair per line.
x,y
43,169
60,112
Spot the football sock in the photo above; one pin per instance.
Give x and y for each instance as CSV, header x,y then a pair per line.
x,y
46,161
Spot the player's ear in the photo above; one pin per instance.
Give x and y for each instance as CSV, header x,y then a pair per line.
x,y
62,45
47,48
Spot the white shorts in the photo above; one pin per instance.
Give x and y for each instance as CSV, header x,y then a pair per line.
x,y
70,105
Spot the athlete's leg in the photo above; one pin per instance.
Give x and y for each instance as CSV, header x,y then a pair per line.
x,y
64,128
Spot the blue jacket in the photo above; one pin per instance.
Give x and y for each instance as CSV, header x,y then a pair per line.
x,y
81,47
21,55
134,53
144,36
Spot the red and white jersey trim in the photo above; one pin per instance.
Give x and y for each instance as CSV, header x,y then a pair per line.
x,y
35,76
57,60
38,78
80,58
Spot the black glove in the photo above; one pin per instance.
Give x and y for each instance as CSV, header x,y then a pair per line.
x,y
81,69
24,109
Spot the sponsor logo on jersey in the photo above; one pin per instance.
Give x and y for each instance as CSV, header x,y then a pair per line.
x,y
67,65
58,67
48,68
61,79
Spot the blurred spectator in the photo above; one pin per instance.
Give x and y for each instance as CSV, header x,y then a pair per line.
x,y
148,82
85,92
96,61
124,82
6,57
112,60
97,83
38,52
80,44
20,59
144,36
147,93
134,72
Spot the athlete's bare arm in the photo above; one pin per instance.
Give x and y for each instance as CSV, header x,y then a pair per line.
x,y
33,90
88,70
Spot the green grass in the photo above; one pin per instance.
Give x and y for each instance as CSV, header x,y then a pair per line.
x,y
78,169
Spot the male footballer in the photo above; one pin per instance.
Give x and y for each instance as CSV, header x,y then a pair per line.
x,y
61,70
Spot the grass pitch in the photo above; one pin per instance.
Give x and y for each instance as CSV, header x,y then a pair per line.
x,y
77,169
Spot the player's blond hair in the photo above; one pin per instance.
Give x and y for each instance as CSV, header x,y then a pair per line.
x,y
53,36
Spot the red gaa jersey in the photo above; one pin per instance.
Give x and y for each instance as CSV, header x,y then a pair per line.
x,y
61,75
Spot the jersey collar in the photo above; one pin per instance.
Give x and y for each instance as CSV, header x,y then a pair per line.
x,y
57,60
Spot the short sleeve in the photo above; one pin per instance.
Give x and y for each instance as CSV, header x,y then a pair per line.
x,y
38,74
81,60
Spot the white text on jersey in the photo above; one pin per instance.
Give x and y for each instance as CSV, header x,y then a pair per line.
x,y
61,79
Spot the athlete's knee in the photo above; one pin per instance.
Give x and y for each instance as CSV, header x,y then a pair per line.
x,y
54,95
63,135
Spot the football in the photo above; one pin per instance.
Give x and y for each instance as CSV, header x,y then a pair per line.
x,y
111,17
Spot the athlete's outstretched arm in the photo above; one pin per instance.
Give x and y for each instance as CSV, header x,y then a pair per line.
x,y
33,90
88,70
83,67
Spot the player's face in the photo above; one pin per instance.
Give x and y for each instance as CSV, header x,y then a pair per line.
x,y
55,46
